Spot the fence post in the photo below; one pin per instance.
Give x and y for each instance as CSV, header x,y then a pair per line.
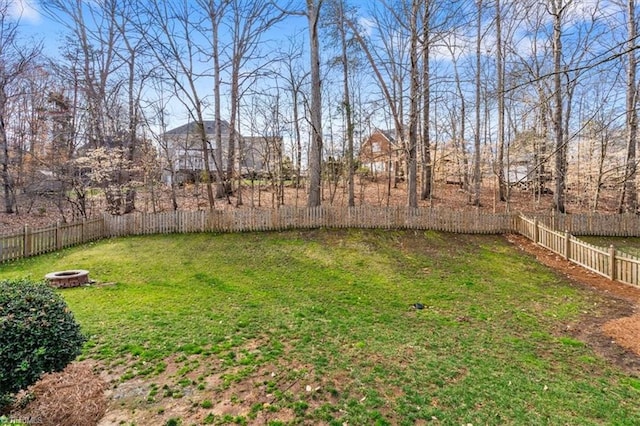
x,y
26,241
567,245
104,231
535,230
58,236
612,262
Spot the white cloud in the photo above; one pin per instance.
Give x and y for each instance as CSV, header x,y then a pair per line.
x,y
24,10
583,10
367,25
454,45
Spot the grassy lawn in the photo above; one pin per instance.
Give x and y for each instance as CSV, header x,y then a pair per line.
x,y
628,245
317,327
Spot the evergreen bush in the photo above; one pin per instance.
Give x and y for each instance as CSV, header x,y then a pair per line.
x,y
38,334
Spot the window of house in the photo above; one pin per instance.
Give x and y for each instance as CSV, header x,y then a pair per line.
x,y
375,147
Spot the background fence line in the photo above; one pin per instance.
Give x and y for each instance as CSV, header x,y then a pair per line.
x,y
246,220
34,241
543,229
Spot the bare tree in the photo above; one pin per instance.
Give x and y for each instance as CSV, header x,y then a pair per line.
x,y
170,41
502,187
389,72
629,198
103,58
337,16
315,154
94,40
248,21
477,178
427,170
15,60
295,77
414,101
133,48
215,10
155,116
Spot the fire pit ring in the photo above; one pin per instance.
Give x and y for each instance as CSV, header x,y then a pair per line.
x,y
67,279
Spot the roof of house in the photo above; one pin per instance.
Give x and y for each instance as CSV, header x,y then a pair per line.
x,y
191,128
389,134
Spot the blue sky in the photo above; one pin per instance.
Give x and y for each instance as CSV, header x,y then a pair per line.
x,y
37,25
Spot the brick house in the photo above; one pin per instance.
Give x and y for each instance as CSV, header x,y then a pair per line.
x,y
381,153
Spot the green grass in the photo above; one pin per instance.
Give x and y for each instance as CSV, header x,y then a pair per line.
x,y
627,245
332,308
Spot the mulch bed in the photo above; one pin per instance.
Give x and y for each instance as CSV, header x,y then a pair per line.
x,y
72,397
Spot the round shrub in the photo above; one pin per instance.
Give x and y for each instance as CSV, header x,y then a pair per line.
x,y
38,334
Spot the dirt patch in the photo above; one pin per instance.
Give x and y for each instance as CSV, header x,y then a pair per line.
x,y
200,390
612,329
625,332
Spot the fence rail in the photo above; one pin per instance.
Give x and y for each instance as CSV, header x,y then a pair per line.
x,y
606,261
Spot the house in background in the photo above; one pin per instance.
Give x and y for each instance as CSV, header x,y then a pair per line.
x,y
261,155
184,146
381,153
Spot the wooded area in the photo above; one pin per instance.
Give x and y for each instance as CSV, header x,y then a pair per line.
x,y
498,96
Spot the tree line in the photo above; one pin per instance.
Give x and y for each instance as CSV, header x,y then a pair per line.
x,y
535,93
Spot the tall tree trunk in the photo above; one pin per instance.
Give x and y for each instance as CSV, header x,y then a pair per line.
x,y
296,131
233,135
215,43
204,143
476,139
412,166
130,192
238,160
541,140
557,10
9,200
347,105
315,154
426,103
629,199
502,187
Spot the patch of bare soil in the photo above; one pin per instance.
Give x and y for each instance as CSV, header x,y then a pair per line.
x,y
612,328
195,390
625,332
207,392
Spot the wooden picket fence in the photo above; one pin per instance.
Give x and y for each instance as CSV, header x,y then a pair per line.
x,y
606,261
246,220
590,224
35,241
31,242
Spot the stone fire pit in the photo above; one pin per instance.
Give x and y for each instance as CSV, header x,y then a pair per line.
x,y
66,279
